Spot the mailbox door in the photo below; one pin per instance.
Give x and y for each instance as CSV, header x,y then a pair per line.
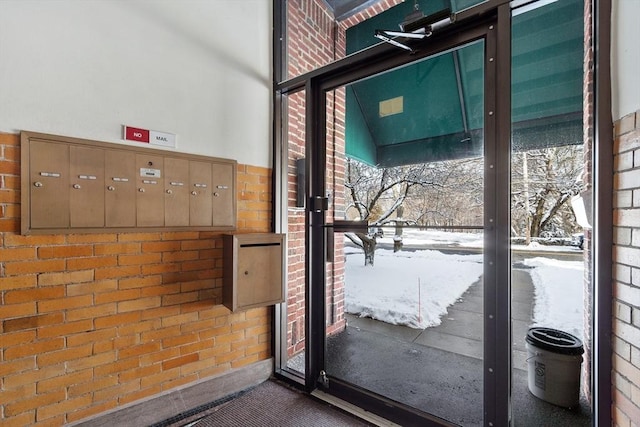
x,y
86,177
49,185
223,209
149,191
120,188
176,192
259,273
200,193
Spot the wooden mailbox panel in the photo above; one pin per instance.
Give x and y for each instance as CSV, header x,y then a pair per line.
x,y
48,185
72,185
86,168
120,182
176,188
150,190
201,194
224,195
253,270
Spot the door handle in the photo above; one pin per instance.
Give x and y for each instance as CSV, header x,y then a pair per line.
x,y
345,226
341,226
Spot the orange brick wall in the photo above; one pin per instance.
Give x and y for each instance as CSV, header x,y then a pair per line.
x,y
91,322
314,39
626,270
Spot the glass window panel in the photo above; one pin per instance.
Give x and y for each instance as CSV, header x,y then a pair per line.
x,y
548,168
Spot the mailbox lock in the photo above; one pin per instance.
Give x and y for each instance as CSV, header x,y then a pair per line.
x,y
195,193
111,188
141,190
169,191
37,184
246,273
76,186
216,194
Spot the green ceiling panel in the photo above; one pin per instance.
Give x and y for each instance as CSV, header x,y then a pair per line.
x,y
442,114
547,55
428,107
547,132
362,145
471,59
431,149
432,110
458,5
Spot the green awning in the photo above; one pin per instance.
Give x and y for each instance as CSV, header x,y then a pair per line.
x,y
438,111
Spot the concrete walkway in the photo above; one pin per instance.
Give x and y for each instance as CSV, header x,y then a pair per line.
x,y
432,369
461,329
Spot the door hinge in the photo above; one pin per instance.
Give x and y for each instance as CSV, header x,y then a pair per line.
x,y
323,380
319,204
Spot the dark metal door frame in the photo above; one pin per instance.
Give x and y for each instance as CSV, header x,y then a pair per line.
x,y
499,11
495,30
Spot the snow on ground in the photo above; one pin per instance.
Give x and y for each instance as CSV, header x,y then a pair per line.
x,y
435,237
535,246
414,288
408,288
412,236
558,294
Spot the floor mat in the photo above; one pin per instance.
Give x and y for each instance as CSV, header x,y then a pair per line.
x,y
275,404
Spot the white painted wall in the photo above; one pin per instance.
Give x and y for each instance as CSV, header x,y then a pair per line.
x,y
198,68
625,58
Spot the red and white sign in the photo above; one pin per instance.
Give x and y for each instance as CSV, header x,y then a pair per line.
x,y
149,136
136,134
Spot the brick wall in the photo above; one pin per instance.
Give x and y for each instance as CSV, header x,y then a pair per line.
x,y
91,322
626,256
310,36
296,267
315,39
369,12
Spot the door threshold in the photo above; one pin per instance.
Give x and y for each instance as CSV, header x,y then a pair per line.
x,y
353,409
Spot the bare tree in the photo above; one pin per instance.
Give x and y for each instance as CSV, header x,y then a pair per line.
x,y
543,181
375,194
457,201
450,191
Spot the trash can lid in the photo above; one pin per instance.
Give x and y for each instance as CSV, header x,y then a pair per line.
x,y
554,341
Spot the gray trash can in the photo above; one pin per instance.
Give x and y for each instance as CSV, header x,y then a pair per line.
x,y
554,363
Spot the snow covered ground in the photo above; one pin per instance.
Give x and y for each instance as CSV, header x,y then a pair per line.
x,y
415,288
558,294
408,288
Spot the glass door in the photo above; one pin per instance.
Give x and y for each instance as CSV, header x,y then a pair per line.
x,y
407,168
401,231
